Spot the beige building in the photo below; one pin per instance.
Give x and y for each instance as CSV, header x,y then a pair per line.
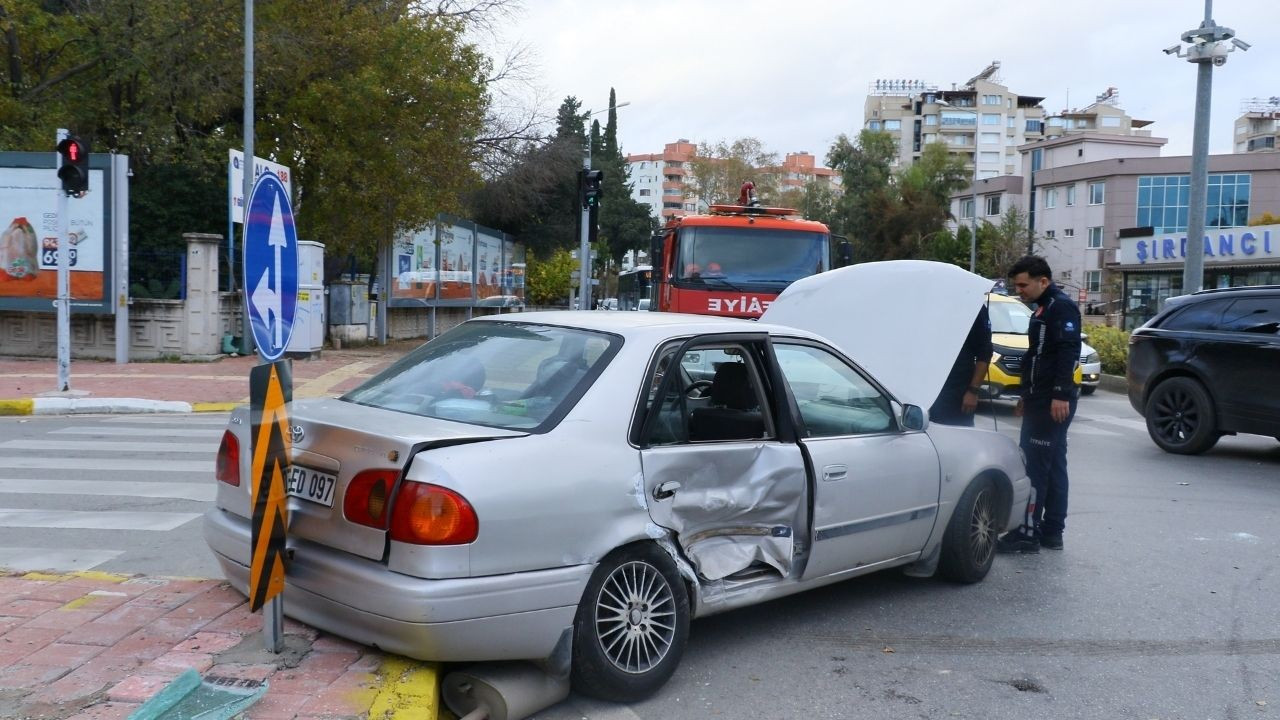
x,y
658,179
800,169
982,120
1103,117
1258,127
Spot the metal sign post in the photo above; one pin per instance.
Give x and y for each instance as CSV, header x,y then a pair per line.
x,y
63,303
270,301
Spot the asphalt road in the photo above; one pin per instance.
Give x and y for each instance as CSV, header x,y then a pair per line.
x,y
1163,604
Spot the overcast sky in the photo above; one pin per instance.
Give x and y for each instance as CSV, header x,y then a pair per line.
x,y
794,73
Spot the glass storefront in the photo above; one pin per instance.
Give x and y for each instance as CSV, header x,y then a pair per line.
x,y
1163,201
1145,292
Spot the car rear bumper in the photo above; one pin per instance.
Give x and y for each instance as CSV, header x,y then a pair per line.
x,y
519,616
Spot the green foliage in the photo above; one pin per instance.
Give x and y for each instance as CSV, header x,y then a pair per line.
x,y
1265,218
1112,345
376,107
1001,244
945,246
547,281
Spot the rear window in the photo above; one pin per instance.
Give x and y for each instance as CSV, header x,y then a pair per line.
x,y
509,375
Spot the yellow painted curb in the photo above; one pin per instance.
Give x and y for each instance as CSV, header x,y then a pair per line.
x,y
406,690
214,406
16,406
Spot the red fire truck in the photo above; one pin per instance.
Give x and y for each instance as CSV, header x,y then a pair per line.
x,y
736,259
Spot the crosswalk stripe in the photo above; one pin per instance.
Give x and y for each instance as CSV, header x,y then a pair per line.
x,y
25,559
111,446
151,432
86,520
203,491
20,462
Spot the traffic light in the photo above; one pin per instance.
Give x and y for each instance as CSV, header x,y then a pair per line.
x,y
590,182
74,172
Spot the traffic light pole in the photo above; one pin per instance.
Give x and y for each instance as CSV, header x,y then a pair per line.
x,y
584,246
63,303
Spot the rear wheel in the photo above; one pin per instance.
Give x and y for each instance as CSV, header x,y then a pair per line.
x,y
968,547
631,627
1181,418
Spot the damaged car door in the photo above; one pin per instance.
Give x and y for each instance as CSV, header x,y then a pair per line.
x,y
716,472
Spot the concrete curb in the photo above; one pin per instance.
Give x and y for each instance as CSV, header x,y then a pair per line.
x,y
105,406
1114,383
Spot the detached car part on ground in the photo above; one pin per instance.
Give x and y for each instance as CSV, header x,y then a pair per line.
x,y
1208,365
571,488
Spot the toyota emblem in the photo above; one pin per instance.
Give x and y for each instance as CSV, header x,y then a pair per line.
x,y
295,434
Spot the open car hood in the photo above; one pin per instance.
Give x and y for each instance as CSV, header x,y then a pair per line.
x,y
902,320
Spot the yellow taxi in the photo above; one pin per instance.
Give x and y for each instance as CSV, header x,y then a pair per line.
x,y
1010,319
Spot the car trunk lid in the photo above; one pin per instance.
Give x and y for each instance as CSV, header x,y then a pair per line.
x,y
334,442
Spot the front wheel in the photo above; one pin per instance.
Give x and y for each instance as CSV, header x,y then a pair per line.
x,y
968,547
1087,389
1181,418
631,626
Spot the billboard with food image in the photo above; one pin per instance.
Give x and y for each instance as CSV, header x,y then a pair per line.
x,y
29,239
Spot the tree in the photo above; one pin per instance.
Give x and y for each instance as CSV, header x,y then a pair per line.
x,y
625,224
816,200
1001,244
718,171
1265,218
548,278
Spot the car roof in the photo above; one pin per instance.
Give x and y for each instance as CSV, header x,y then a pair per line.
x,y
1239,289
636,323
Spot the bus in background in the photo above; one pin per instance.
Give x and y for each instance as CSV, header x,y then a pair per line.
x,y
736,259
633,286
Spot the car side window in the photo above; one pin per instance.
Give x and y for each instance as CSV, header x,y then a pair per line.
x,y
717,396
1205,315
1259,315
833,398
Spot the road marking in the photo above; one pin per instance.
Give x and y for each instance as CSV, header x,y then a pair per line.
x,y
1123,422
18,462
26,559
112,446
202,491
1089,429
135,432
85,520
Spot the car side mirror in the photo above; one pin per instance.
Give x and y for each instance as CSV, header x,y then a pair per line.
x,y
914,418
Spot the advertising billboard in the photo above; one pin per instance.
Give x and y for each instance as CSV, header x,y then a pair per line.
x,y
457,252
455,262
29,188
414,266
488,265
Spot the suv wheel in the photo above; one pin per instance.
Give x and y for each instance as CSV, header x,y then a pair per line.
x,y
1180,417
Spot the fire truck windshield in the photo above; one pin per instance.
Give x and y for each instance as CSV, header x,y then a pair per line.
x,y
741,258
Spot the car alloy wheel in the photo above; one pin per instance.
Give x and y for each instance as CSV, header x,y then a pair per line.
x,y
635,617
968,547
631,626
1180,417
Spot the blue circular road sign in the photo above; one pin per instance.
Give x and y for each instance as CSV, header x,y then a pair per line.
x,y
270,266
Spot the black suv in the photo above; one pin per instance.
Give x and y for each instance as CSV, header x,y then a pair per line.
x,y
1208,365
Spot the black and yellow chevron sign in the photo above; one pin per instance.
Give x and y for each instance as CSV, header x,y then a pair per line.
x,y
270,389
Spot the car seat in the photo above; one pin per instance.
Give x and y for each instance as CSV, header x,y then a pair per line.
x,y
734,412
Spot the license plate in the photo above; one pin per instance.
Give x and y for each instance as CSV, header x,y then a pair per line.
x,y
311,485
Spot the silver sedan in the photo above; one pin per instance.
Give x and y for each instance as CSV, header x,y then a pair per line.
x,y
578,486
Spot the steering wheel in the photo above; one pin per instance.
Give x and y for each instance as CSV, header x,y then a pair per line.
x,y
697,388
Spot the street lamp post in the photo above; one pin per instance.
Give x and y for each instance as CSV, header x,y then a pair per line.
x,y
584,244
1208,48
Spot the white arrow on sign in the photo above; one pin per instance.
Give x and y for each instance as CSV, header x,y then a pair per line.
x,y
266,300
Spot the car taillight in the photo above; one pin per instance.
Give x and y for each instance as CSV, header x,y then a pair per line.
x,y
427,514
227,469
368,493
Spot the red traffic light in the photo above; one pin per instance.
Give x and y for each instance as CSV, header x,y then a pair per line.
x,y
74,172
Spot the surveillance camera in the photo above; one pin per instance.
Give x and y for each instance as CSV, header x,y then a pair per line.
x,y
1240,43
1172,49
1219,60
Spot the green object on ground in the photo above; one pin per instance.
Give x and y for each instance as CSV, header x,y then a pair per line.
x,y
189,697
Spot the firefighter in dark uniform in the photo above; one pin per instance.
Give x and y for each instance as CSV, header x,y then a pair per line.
x,y
1048,403
959,397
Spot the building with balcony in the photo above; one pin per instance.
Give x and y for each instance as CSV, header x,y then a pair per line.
x,y
982,120
1258,127
1103,117
799,169
658,180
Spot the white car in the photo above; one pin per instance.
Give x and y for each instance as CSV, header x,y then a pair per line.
x,y
1090,368
558,486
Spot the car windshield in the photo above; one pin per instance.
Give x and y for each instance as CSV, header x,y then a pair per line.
x,y
727,257
1009,317
509,375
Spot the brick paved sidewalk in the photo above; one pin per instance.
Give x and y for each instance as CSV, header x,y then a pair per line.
x,y
221,381
95,646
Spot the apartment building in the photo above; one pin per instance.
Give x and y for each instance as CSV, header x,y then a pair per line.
x,y
981,120
799,169
1111,218
658,180
1258,127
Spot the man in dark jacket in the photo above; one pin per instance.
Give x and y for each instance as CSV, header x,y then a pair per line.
x,y
1048,403
958,399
